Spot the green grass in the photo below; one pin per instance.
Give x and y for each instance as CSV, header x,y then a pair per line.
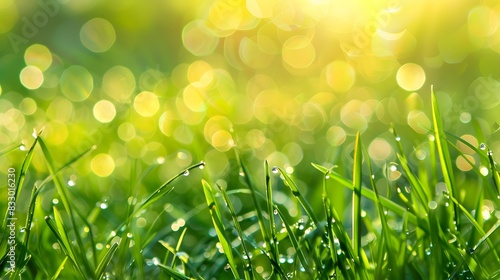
x,y
415,230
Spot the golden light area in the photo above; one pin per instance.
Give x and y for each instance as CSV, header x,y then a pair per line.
x,y
31,77
98,35
340,76
119,83
60,109
39,56
76,83
419,121
298,52
472,140
102,165
193,99
104,111
463,164
261,8
410,77
200,74
28,106
222,140
198,39
380,150
335,135
146,104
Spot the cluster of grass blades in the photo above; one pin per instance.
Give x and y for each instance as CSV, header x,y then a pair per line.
x,y
430,226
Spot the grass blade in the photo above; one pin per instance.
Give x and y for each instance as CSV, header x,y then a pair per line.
x,y
61,267
219,227
295,191
99,272
248,271
172,272
444,156
356,197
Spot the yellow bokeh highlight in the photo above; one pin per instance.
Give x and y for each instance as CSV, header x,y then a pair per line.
x,y
463,164
335,136
39,56
419,121
193,99
98,35
298,52
28,106
76,83
222,140
102,165
31,77
472,140
261,8
119,83
146,104
198,39
200,74
380,150
126,131
340,76
13,120
104,111
410,77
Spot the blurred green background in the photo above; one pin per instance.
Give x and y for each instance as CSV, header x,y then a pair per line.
x,y
179,82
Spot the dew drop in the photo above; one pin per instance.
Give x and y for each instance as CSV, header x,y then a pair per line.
x,y
428,251
103,205
327,177
482,146
22,147
275,170
129,235
275,211
55,201
398,138
227,267
23,229
470,251
186,173
202,165
71,183
242,174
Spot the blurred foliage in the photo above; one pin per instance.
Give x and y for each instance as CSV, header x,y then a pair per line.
x,y
292,81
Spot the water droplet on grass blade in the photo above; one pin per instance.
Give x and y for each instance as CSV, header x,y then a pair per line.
x,y
22,147
202,165
186,173
482,146
55,201
398,138
103,205
275,169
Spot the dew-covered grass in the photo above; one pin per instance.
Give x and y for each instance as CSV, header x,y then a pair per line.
x,y
430,223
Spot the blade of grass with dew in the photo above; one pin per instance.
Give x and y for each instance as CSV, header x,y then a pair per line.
x,y
475,224
59,269
64,242
387,203
248,271
19,185
356,198
258,209
423,194
178,255
274,249
172,272
392,251
219,227
295,191
494,173
329,227
105,261
10,149
163,190
295,244
444,156
61,190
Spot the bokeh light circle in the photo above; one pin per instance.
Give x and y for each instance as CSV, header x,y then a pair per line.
x,y
98,35
102,165
146,104
39,56
104,111
76,83
410,77
31,77
299,52
119,83
340,76
198,39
